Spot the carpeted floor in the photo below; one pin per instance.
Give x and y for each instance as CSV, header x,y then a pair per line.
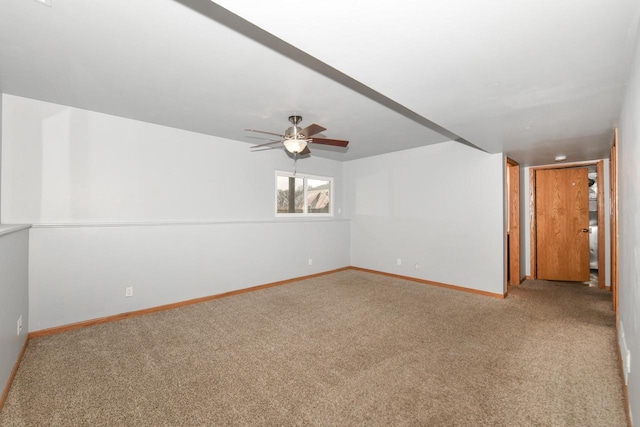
x,y
349,348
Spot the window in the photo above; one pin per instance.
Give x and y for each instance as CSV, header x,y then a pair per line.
x,y
303,195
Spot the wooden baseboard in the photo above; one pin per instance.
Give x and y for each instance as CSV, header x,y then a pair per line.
x,y
5,392
121,316
432,283
625,389
116,317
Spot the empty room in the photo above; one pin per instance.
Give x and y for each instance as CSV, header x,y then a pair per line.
x,y
319,213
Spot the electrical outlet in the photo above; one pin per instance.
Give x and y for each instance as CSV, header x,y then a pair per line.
x,y
310,261
19,325
128,291
626,366
625,353
399,261
417,266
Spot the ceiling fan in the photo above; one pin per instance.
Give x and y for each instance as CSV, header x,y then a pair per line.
x,y
295,139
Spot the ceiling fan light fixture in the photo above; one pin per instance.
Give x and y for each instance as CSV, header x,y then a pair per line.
x,y
295,139
295,145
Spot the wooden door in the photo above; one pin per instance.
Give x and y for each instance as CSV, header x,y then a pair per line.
x,y
562,217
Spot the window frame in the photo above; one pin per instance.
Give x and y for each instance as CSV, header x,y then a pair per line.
x,y
304,177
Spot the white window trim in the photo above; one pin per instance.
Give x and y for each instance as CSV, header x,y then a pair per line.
x,y
305,177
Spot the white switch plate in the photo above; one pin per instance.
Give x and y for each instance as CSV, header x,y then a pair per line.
x,y
399,261
310,261
128,291
19,325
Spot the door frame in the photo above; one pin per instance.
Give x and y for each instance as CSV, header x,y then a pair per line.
x,y
600,202
513,227
613,182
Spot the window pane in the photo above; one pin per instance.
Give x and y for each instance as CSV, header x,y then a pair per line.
x,y
318,195
290,194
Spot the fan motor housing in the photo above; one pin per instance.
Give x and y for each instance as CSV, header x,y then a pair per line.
x,y
293,132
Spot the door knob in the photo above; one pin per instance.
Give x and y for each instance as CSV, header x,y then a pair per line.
x,y
585,230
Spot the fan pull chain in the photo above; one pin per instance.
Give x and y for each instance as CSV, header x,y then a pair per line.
x,y
295,161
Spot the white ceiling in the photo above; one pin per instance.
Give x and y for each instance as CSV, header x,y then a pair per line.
x,y
530,78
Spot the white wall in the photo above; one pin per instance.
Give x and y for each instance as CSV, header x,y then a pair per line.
x,y
67,165
629,229
14,302
176,214
80,272
14,294
439,206
1,154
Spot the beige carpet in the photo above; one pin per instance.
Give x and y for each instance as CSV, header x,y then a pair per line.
x,y
350,348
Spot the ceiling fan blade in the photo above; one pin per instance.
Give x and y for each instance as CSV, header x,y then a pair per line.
x,y
305,151
312,130
262,149
262,131
327,141
265,144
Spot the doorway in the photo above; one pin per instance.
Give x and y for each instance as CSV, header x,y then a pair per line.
x,y
565,233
